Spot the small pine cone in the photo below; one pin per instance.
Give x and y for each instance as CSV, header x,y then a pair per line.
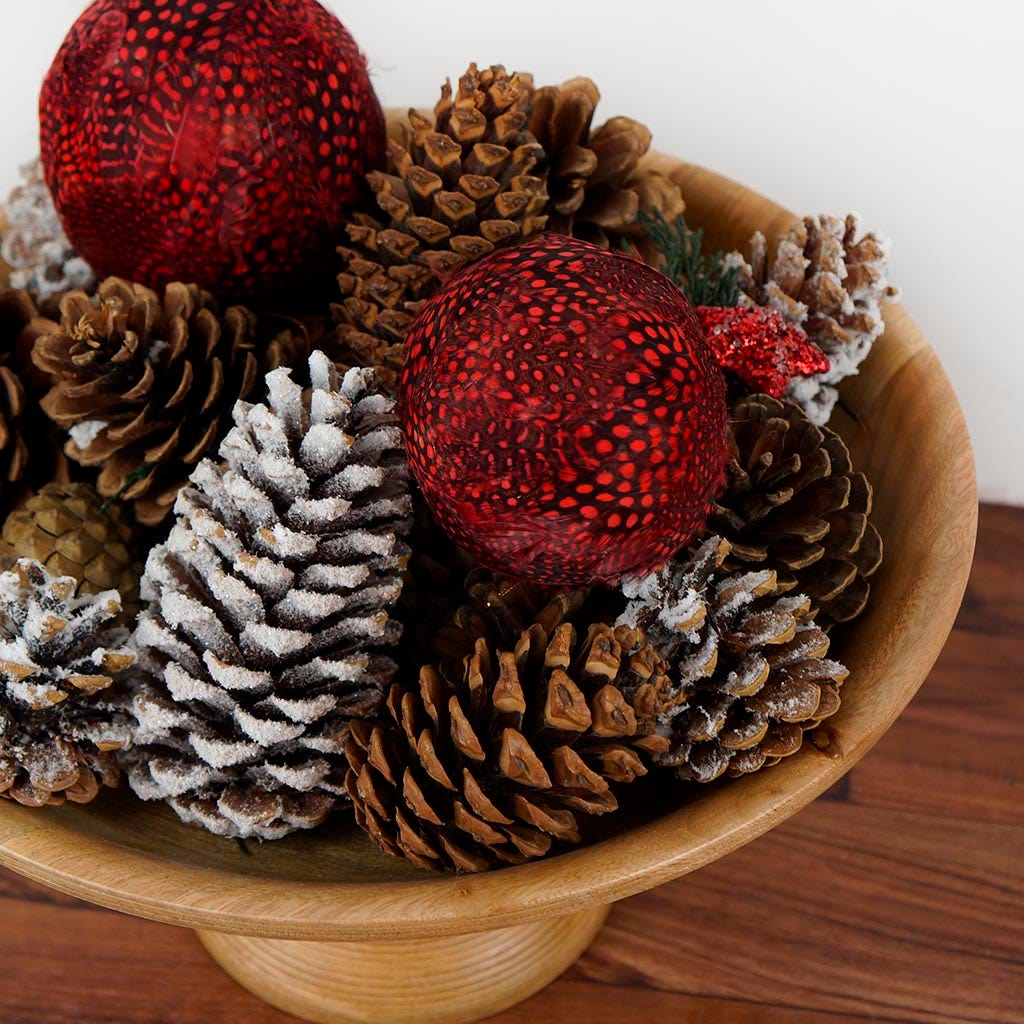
x,y
516,752
793,503
457,186
599,192
61,669
268,624
145,384
42,260
747,662
829,277
70,531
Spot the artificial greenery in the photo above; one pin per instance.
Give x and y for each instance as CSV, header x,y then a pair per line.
x,y
703,277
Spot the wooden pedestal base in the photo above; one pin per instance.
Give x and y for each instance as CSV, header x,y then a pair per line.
x,y
451,980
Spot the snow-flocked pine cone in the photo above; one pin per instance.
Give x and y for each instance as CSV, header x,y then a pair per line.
x,y
268,624
747,667
829,277
457,186
794,503
145,383
62,702
597,187
495,760
34,246
71,531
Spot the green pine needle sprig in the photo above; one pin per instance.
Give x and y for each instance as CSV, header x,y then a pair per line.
x,y
702,277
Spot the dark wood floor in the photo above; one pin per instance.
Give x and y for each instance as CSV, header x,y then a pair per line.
x,y
899,897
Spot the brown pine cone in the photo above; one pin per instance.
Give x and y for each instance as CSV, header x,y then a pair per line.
x,y
514,753
829,277
598,190
456,187
145,384
16,312
70,531
794,504
748,672
29,446
62,710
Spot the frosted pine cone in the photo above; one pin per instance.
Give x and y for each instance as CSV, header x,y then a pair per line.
x,y
747,665
61,712
269,621
829,277
42,260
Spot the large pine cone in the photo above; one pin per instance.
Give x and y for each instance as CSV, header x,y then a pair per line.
x,y
599,192
455,188
794,503
61,666
71,531
145,384
747,666
494,762
829,277
269,622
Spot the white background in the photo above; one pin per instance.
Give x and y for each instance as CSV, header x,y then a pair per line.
x,y
911,113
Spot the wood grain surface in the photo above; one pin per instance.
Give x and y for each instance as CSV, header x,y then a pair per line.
x,y
898,897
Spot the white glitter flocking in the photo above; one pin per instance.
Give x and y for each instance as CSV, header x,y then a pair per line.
x,y
747,663
830,277
269,608
63,705
34,245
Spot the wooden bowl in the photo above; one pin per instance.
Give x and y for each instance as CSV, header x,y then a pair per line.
x,y
323,926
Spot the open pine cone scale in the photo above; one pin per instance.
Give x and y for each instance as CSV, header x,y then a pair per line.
x,y
514,754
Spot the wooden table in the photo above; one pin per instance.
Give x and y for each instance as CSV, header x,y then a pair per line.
x,y
897,897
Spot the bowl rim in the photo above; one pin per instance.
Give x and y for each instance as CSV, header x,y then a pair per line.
x,y
115,876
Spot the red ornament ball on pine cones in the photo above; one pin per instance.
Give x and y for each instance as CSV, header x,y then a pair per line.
x,y
564,416
217,142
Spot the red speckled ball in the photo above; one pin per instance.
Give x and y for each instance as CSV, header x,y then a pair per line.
x,y
563,413
217,142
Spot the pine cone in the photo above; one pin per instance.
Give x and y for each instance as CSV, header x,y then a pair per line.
x,y
61,715
145,384
268,621
830,278
16,311
29,443
748,670
492,762
794,504
454,189
42,260
70,532
598,190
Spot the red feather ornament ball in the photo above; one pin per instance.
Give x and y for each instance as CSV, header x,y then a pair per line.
x,y
213,142
564,416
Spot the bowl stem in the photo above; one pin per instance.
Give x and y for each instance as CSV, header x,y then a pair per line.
x,y
454,979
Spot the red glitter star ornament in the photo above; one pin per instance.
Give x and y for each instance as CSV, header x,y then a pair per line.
x,y
211,142
563,413
760,347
